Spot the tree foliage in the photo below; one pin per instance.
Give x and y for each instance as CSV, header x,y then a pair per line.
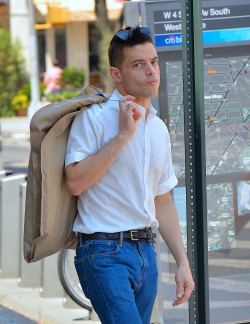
x,y
72,77
11,71
105,30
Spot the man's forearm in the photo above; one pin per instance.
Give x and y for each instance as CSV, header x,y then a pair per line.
x,y
169,227
85,173
170,231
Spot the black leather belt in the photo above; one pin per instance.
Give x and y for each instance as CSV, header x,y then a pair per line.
x,y
133,235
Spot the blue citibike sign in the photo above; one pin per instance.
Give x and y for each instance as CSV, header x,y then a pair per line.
x,y
224,23
209,37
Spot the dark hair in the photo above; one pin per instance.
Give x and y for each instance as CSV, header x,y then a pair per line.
x,y
115,51
56,62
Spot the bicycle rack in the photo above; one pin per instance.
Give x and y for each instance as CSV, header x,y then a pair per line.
x,y
51,285
10,225
27,271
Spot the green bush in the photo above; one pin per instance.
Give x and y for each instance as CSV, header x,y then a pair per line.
x,y
55,97
26,89
72,78
12,74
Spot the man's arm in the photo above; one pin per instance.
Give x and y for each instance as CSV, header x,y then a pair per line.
x,y
81,175
169,229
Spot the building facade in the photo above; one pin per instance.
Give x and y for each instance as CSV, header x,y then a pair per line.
x,y
65,31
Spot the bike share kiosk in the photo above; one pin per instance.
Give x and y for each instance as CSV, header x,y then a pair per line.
x,y
224,115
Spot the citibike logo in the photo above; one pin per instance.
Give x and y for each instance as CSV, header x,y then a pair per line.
x,y
172,40
168,40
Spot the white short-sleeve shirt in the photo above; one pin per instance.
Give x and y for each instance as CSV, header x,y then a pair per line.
x,y
123,199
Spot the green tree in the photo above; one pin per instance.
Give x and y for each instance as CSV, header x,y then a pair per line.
x,y
11,72
72,78
105,30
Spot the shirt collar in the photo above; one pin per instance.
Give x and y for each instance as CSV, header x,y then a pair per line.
x,y
151,110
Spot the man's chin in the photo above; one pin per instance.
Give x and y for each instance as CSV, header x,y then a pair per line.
x,y
154,93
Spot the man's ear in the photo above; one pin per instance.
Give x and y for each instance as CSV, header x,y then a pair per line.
x,y
115,74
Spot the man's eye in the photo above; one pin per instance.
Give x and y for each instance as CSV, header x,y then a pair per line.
x,y
138,65
155,62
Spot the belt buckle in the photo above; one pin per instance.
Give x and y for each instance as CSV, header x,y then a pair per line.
x,y
132,236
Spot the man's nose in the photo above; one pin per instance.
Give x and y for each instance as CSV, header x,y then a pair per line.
x,y
150,69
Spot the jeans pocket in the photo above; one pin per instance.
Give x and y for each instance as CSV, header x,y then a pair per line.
x,y
99,248
79,265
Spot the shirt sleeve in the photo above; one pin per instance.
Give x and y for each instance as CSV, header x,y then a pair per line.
x,y
168,179
84,137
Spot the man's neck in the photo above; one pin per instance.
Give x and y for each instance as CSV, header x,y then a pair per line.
x,y
144,102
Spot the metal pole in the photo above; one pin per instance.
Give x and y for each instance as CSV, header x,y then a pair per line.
x,y
1,148
34,75
195,158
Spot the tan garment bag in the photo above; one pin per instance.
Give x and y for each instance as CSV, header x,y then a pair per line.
x,y
50,209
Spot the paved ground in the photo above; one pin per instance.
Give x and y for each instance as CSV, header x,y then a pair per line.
x,y
9,316
27,301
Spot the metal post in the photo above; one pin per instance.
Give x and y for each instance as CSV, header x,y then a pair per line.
x,y
51,285
69,302
34,75
94,316
195,158
1,148
10,226
157,315
30,274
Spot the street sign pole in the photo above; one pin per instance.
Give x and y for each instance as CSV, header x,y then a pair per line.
x,y
195,157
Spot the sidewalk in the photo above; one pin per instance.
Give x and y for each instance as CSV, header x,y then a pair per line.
x,y
27,301
9,316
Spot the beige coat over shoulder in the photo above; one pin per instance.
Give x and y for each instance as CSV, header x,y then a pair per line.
x,y
50,209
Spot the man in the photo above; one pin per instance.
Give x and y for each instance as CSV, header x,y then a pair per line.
x,y
52,77
119,164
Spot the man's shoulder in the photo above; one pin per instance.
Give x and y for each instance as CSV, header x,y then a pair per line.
x,y
160,123
96,110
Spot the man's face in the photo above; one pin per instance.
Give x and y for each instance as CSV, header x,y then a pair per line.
x,y
139,74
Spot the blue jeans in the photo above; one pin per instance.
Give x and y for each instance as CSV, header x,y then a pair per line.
x,y
120,279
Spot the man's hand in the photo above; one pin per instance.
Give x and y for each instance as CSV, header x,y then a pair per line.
x,y
184,285
129,115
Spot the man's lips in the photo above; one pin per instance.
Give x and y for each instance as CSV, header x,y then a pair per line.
x,y
152,81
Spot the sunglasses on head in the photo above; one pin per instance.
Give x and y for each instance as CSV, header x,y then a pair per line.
x,y
126,33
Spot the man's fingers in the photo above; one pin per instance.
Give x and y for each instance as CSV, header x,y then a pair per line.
x,y
136,114
183,293
178,302
126,104
128,97
124,99
180,289
179,293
